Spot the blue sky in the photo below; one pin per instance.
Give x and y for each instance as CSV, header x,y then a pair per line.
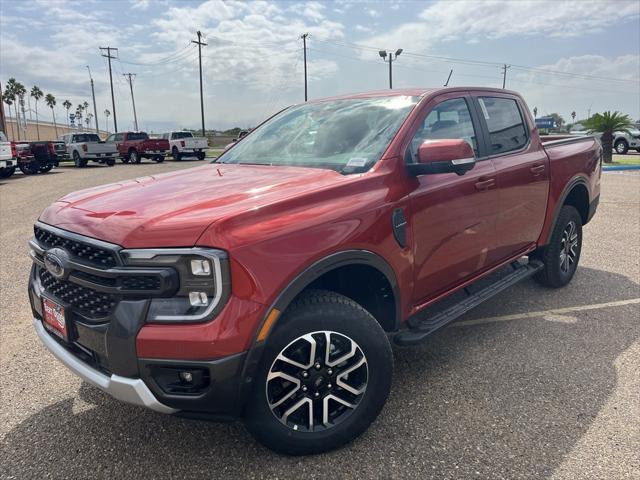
x,y
564,56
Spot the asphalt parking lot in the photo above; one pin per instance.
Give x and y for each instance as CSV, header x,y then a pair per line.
x,y
535,383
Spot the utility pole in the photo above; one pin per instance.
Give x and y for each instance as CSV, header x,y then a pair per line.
x,y
384,54
446,84
3,123
504,74
113,101
304,43
200,44
93,95
129,77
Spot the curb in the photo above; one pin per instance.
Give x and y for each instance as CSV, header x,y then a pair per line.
x,y
620,167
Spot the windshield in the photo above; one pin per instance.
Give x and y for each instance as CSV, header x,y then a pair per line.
x,y
137,136
348,135
182,135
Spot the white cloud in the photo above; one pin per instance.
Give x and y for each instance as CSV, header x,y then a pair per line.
x,y
140,4
373,13
447,21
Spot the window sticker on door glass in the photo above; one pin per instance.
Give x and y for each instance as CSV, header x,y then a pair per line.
x,y
357,162
484,109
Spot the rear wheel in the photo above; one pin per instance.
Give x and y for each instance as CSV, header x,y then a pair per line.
x,y
110,162
45,168
7,172
134,156
621,147
324,376
201,155
562,254
158,159
78,161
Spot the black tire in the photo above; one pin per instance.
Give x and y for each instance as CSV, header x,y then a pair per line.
x,y
621,147
134,156
176,154
30,168
110,162
125,159
7,172
557,272
78,161
45,168
638,150
201,155
323,311
158,159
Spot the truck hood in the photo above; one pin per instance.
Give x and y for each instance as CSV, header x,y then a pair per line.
x,y
174,209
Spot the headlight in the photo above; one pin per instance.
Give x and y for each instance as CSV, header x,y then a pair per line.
x,y
204,282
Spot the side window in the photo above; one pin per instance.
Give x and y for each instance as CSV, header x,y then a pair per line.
x,y
450,119
111,138
507,130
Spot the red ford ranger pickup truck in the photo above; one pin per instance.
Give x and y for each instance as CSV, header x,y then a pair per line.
x,y
134,146
271,284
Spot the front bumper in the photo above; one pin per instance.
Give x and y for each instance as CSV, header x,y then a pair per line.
x,y
130,390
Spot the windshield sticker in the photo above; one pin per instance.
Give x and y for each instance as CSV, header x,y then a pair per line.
x,y
484,109
357,162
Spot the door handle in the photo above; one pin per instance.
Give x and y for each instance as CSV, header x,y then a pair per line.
x,y
537,170
485,184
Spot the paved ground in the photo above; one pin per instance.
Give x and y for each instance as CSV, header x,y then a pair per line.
x,y
535,394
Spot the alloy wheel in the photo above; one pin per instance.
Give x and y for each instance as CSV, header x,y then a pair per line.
x,y
317,381
568,247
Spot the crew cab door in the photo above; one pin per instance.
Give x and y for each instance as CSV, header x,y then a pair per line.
x,y
522,169
452,216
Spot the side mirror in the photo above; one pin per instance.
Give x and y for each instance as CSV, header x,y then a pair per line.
x,y
443,156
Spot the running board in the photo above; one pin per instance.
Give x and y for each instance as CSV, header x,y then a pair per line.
x,y
421,326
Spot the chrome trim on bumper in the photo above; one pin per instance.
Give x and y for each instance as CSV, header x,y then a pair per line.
x,y
129,390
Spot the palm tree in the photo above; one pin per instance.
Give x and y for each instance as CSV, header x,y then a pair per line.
x,y
67,104
8,98
87,120
50,100
10,93
79,110
37,94
106,114
20,92
607,124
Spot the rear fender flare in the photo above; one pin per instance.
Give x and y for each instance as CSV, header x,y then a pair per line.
x,y
565,193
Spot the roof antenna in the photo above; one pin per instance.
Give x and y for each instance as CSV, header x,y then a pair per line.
x,y
448,78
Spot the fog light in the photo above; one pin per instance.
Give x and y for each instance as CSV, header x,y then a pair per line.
x,y
186,377
200,267
198,299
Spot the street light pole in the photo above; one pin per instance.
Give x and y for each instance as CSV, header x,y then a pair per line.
x,y
389,58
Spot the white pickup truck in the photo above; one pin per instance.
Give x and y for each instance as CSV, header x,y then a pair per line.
x,y
184,144
623,141
7,158
82,147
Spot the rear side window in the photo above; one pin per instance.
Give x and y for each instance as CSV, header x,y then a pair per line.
x,y
177,135
138,136
507,130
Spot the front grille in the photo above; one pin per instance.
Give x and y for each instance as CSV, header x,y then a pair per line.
x,y
84,300
140,283
94,255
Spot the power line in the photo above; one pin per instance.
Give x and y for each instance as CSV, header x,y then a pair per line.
x,y
168,59
113,101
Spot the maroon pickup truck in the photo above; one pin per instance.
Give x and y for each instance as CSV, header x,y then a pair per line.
x,y
134,146
273,283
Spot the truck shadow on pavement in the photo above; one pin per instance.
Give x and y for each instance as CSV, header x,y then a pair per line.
x,y
491,400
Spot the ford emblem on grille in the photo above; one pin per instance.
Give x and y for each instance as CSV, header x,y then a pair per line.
x,y
56,261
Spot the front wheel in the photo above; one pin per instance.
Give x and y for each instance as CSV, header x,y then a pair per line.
x,y
158,159
621,147
176,154
78,161
201,155
45,168
324,376
30,168
562,254
134,156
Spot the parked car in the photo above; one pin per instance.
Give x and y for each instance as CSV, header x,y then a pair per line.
x,y
85,146
184,144
623,141
134,146
241,135
270,284
42,157
7,157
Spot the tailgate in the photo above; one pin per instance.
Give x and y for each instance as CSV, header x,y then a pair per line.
x,y
156,145
5,151
101,148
